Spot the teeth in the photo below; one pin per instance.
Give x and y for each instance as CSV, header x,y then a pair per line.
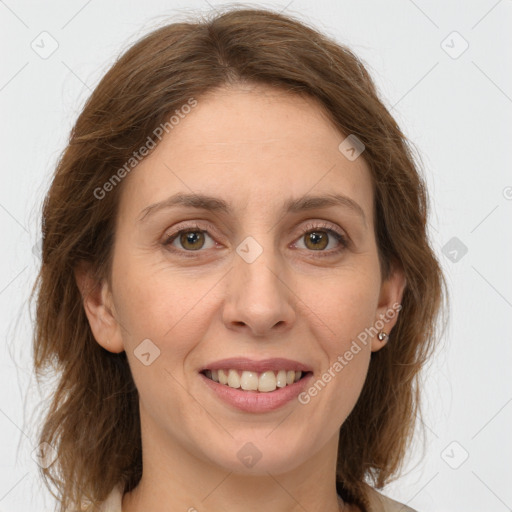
x,y
223,377
252,381
233,379
281,379
267,382
249,381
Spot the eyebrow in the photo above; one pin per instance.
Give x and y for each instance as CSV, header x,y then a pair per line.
x,y
215,204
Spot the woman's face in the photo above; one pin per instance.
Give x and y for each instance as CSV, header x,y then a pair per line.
x,y
261,275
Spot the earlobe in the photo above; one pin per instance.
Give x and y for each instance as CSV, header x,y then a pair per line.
x,y
98,307
390,304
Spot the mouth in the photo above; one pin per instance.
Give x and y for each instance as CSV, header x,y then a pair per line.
x,y
253,381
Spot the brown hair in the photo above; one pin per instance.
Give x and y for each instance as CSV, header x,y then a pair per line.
x,y
93,418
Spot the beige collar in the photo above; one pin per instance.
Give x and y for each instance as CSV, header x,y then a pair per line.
x,y
381,503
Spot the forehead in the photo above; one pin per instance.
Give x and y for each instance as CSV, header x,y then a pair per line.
x,y
250,145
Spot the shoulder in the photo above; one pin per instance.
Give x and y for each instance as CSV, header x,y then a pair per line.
x,y
380,503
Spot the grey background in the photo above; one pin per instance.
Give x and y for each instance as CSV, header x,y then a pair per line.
x,y
454,105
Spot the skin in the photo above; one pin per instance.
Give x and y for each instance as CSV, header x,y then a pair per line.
x,y
253,147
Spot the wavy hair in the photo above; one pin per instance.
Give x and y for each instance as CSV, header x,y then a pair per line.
x,y
93,414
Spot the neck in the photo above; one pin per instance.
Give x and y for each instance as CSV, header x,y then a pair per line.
x,y
177,477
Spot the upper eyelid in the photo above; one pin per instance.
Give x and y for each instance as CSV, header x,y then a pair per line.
x,y
193,226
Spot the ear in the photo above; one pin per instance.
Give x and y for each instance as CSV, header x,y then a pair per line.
x,y
390,298
99,308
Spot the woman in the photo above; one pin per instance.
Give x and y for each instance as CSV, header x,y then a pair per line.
x,y
237,288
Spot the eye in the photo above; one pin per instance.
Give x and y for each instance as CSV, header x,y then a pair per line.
x,y
317,237
190,239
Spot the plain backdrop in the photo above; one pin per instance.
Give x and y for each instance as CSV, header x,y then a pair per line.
x,y
443,68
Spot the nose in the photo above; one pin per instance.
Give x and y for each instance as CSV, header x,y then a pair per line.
x,y
259,300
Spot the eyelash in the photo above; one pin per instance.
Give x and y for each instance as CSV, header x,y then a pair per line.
x,y
309,228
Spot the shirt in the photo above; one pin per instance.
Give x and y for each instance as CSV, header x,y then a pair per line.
x,y
378,502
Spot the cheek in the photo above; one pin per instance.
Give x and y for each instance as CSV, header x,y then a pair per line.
x,y
345,305
168,307
348,312
154,307
144,297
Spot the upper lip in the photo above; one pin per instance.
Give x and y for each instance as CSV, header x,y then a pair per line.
x,y
263,365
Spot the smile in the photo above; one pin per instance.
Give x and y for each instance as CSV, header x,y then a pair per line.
x,y
247,380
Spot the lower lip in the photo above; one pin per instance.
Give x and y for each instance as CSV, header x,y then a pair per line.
x,y
255,401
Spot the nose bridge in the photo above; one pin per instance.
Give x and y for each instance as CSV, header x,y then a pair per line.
x,y
258,264
257,294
